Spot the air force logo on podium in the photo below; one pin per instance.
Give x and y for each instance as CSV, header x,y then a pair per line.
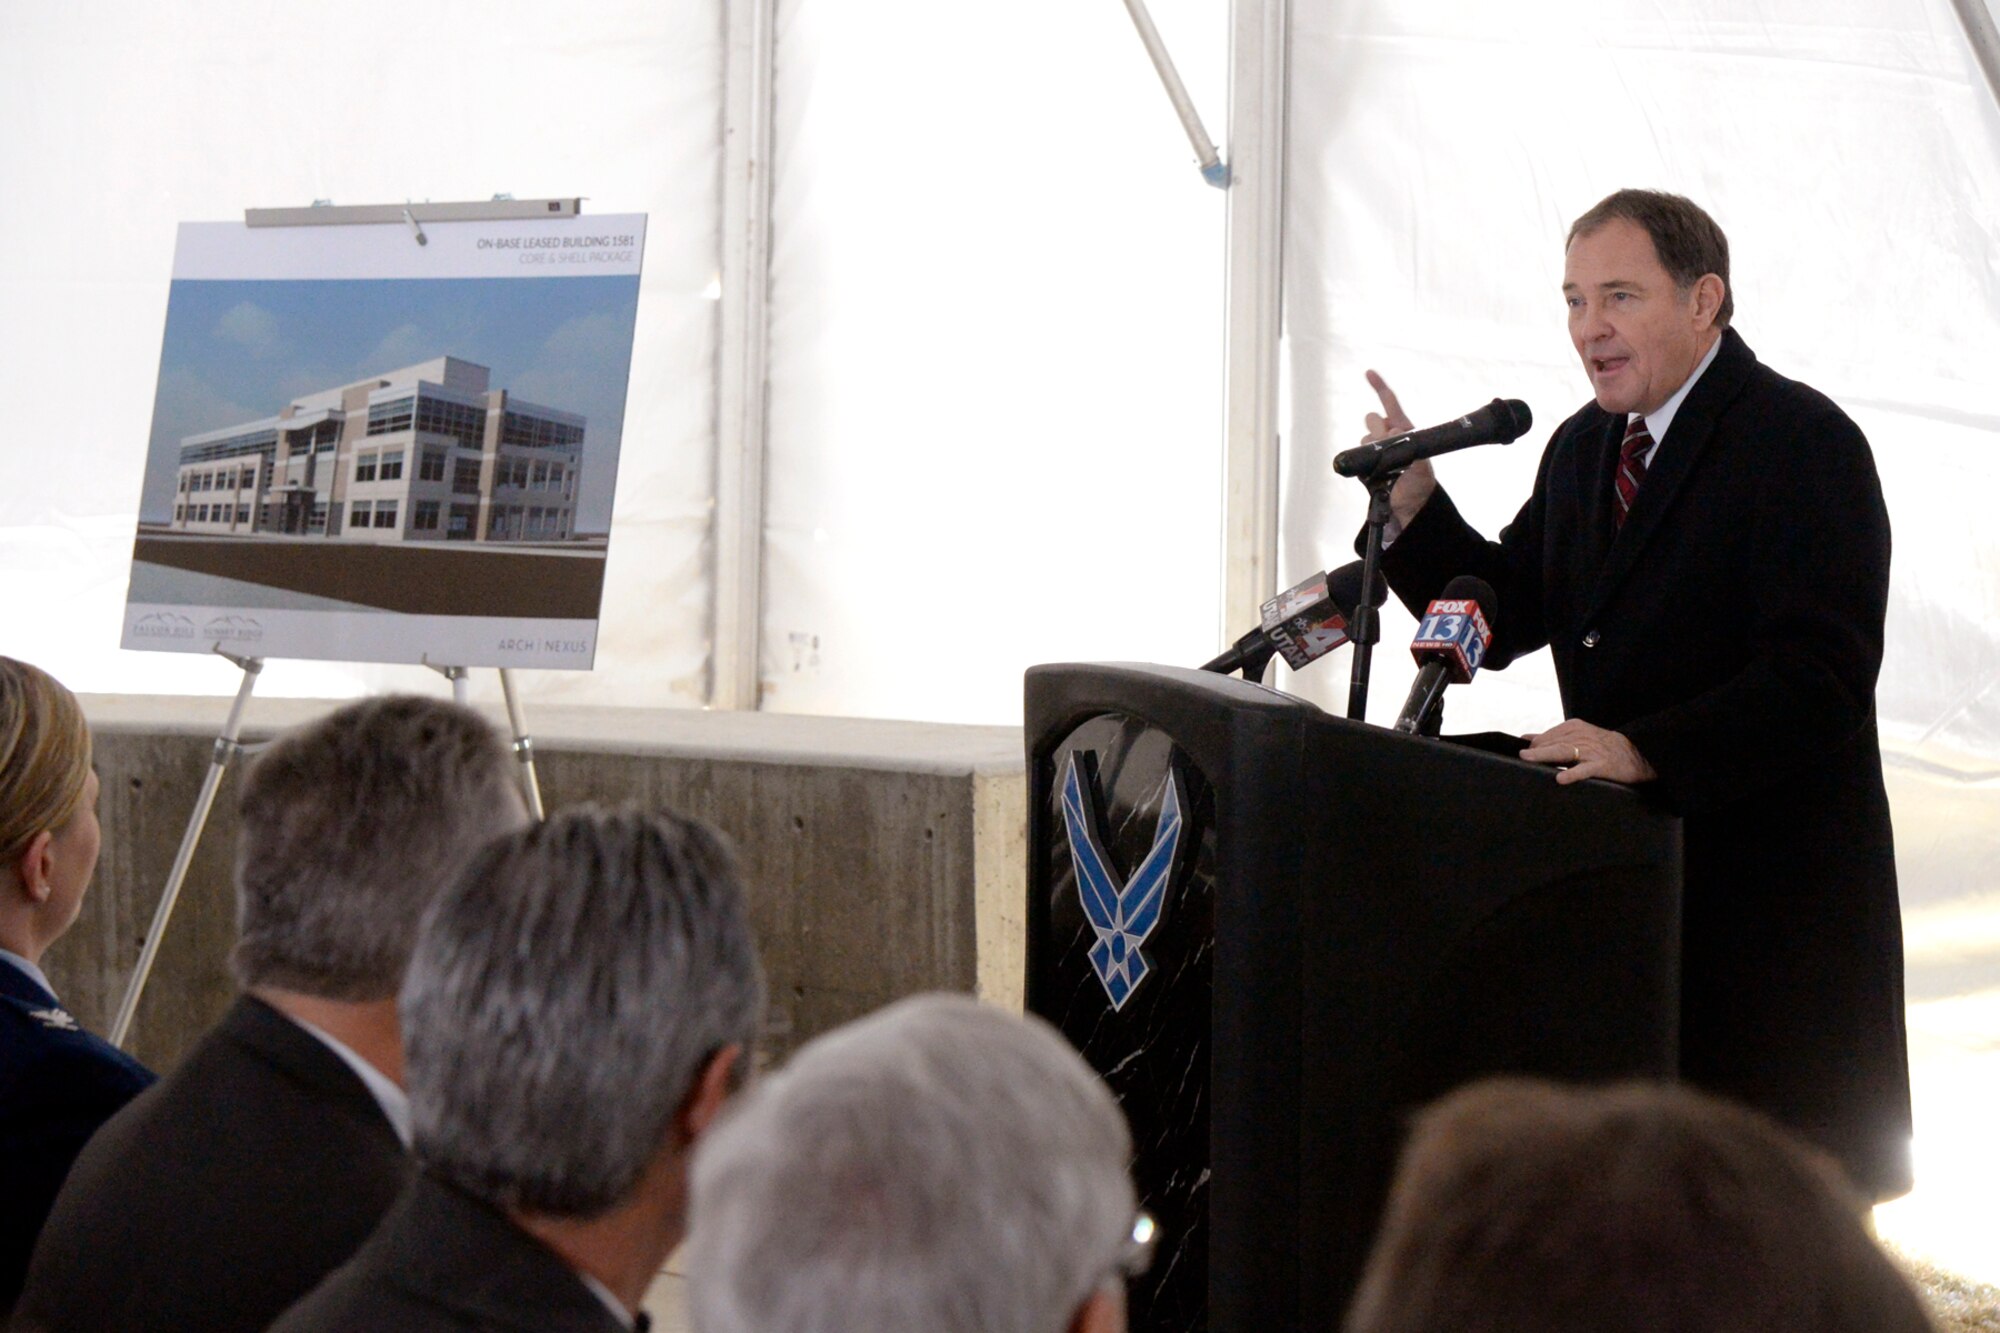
x,y
1122,914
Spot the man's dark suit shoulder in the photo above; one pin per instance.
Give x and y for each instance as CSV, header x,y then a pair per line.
x,y
445,1262
221,1194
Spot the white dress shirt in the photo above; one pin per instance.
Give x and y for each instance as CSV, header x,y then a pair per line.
x,y
395,1103
1662,416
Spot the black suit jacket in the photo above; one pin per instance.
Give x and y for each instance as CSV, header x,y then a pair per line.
x,y
445,1262
58,1083
1732,630
223,1194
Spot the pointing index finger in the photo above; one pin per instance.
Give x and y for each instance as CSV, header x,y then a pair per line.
x,y
1392,408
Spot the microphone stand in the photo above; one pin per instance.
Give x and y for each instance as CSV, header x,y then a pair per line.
x,y
1366,631
1252,664
1433,723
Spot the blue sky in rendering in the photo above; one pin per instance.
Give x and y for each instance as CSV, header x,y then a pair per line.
x,y
236,352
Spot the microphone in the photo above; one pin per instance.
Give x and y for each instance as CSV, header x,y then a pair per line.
x,y
1499,422
1451,642
1303,623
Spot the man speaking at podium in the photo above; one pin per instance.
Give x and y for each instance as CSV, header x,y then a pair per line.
x,y
1706,556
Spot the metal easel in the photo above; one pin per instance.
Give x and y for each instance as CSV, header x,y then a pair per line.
x,y
524,745
227,747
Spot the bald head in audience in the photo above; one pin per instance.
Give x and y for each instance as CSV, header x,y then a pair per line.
x,y
1525,1207
938,1167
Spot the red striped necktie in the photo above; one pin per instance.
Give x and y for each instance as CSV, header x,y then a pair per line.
x,y
1632,465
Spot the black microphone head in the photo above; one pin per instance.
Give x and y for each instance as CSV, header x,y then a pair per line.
x,y
1472,588
1344,586
1510,418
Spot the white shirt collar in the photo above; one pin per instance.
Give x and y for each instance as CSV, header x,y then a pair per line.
x,y
395,1103
35,974
1662,416
603,1293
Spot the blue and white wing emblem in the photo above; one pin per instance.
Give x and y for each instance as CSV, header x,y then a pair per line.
x,y
1121,914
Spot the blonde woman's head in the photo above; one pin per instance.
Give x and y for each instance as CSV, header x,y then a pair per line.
x,y
44,756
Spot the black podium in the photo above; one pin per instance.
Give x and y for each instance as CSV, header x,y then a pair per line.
x,y
1276,933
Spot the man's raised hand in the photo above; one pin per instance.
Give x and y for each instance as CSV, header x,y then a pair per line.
x,y
1414,487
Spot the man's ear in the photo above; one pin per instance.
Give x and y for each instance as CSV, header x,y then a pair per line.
x,y
1104,1312
37,868
1708,293
711,1089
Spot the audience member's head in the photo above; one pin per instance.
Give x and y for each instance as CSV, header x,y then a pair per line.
x,y
48,809
1524,1207
579,1004
351,826
938,1167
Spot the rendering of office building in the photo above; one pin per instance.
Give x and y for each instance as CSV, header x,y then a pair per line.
x,y
425,453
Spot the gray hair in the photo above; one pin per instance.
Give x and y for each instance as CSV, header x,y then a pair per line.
x,y
566,995
938,1167
351,826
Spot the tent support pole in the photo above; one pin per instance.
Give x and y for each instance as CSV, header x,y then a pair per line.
x,y
742,397
1213,169
1259,69
1981,31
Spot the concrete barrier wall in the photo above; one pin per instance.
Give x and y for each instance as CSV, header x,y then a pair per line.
x,y
882,858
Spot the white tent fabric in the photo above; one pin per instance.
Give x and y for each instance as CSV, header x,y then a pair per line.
x,y
996,351
126,117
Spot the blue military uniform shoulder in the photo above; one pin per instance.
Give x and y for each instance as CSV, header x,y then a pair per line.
x,y
59,1083
52,1017
36,1034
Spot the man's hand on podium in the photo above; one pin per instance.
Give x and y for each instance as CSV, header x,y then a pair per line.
x,y
1414,487
1584,751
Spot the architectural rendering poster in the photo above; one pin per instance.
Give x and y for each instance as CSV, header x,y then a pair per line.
x,y
371,450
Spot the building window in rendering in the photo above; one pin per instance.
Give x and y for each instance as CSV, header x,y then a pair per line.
x,y
426,453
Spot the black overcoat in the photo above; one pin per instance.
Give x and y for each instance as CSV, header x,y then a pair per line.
x,y
1732,630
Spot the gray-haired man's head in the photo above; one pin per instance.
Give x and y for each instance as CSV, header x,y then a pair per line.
x,y
565,997
938,1167
351,826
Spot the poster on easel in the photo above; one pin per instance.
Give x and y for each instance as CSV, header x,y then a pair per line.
x,y
369,449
